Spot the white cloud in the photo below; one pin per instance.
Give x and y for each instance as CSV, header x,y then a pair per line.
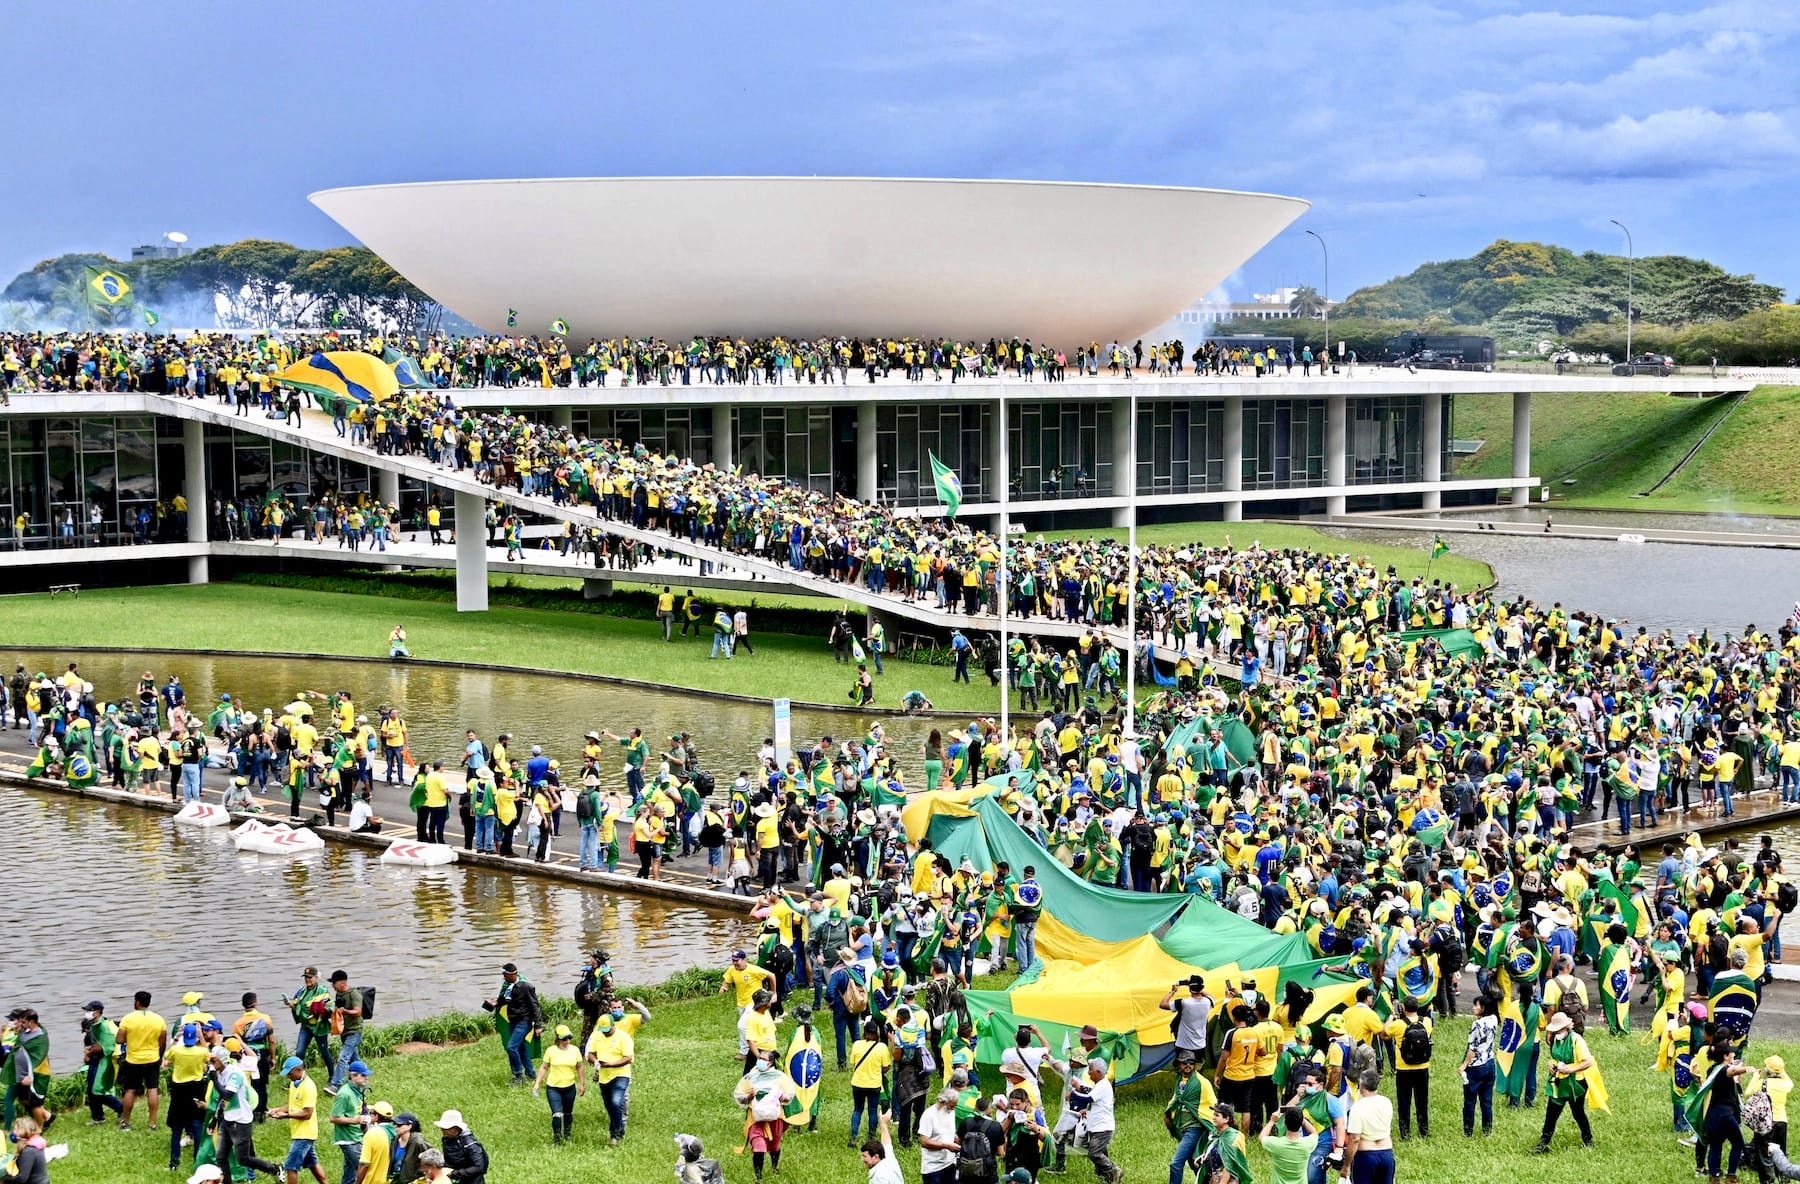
x,y
1691,140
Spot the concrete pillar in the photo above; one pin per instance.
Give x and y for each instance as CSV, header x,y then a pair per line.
x,y
562,417
1337,434
1234,456
1431,420
471,553
1521,445
865,451
193,449
592,589
724,449
387,487
1124,472
991,477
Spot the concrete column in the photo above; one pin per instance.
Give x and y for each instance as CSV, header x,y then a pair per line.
x,y
471,554
865,451
724,449
387,492
193,449
592,589
1521,445
991,477
1431,420
562,417
1234,456
1337,433
1124,462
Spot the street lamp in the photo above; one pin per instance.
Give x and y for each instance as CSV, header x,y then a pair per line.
x,y
1630,256
1325,296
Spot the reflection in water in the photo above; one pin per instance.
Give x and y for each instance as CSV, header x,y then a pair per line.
x,y
441,703
1669,586
128,900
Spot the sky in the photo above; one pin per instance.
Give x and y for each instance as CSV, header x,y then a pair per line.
x,y
1418,132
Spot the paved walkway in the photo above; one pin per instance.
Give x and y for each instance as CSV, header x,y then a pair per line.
x,y
1475,524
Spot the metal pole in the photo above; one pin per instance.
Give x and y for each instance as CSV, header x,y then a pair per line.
x,y
1131,578
1325,296
1005,505
1630,261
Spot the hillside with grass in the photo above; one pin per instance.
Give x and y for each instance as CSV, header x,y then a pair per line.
x,y
1610,450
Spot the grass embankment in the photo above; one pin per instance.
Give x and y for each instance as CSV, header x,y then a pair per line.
x,y
1616,446
687,1065
247,617
1408,560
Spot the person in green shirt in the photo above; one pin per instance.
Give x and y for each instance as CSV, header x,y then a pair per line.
x,y
311,1009
99,1043
637,751
349,1115
1288,1151
1188,1114
347,1005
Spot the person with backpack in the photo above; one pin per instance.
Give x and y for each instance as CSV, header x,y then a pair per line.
x,y
1411,1033
588,808
979,1139
1567,994
847,994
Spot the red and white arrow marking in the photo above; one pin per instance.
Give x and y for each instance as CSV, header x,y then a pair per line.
x,y
406,850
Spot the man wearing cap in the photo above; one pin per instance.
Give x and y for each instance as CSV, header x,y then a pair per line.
x,y
1100,1120
611,1050
349,1117
256,1030
1193,1014
746,980
1188,1114
236,1138
302,1113
311,1008
516,1005
409,1147
99,1043
376,1160
466,1158
1072,1072
346,1008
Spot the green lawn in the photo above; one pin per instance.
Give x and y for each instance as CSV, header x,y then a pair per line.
x,y
1615,447
252,618
1408,560
687,1065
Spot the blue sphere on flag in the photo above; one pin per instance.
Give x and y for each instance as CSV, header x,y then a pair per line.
x,y
806,1067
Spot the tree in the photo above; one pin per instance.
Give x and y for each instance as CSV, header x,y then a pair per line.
x,y
1307,302
1719,297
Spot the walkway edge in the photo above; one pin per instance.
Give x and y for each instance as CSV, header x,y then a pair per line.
x,y
662,889
487,667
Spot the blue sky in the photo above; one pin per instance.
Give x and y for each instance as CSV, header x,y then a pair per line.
x,y
1419,132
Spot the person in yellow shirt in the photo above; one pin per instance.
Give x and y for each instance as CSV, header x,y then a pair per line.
x,y
611,1050
143,1038
560,1072
1265,1100
1235,1077
302,1113
870,1059
186,1062
746,979
437,803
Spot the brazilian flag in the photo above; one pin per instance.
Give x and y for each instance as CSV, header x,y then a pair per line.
x,y
1614,968
107,287
1439,548
150,319
1418,977
44,759
806,1066
1733,1004
559,327
886,792
512,318
927,948
79,771
1512,1045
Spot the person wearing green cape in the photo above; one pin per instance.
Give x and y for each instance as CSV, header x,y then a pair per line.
x,y
99,1044
1226,1151
1188,1114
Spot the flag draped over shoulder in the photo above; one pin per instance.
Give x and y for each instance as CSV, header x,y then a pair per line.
x,y
949,486
1733,1003
1614,968
1512,1047
806,1066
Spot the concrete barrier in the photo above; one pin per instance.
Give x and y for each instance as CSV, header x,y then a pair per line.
x,y
411,853
203,814
278,839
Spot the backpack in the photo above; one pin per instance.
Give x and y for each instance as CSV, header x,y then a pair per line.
x,y
1415,1044
975,1160
703,782
1361,1060
284,738
1532,881
368,1002
584,807
1570,1003
855,994
1787,898
1758,1112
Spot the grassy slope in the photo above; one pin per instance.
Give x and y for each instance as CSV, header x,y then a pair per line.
x,y
243,617
1617,446
687,1066
1409,560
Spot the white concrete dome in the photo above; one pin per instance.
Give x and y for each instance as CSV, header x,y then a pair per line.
x,y
1061,262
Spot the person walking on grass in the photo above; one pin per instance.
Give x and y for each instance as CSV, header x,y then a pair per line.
x,y
560,1073
302,1113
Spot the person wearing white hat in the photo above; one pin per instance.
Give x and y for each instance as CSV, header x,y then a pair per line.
x,y
1570,1062
464,1156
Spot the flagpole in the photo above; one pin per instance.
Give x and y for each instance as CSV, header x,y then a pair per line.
x,y
1005,507
1131,578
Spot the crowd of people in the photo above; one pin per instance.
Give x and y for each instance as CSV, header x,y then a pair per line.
x,y
225,364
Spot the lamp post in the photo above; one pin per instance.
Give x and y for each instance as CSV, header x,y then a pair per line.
x,y
1002,591
1630,257
1131,572
1325,296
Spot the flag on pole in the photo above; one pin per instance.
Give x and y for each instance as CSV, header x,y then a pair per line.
x,y
512,317
949,487
1439,548
109,287
559,327
150,318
